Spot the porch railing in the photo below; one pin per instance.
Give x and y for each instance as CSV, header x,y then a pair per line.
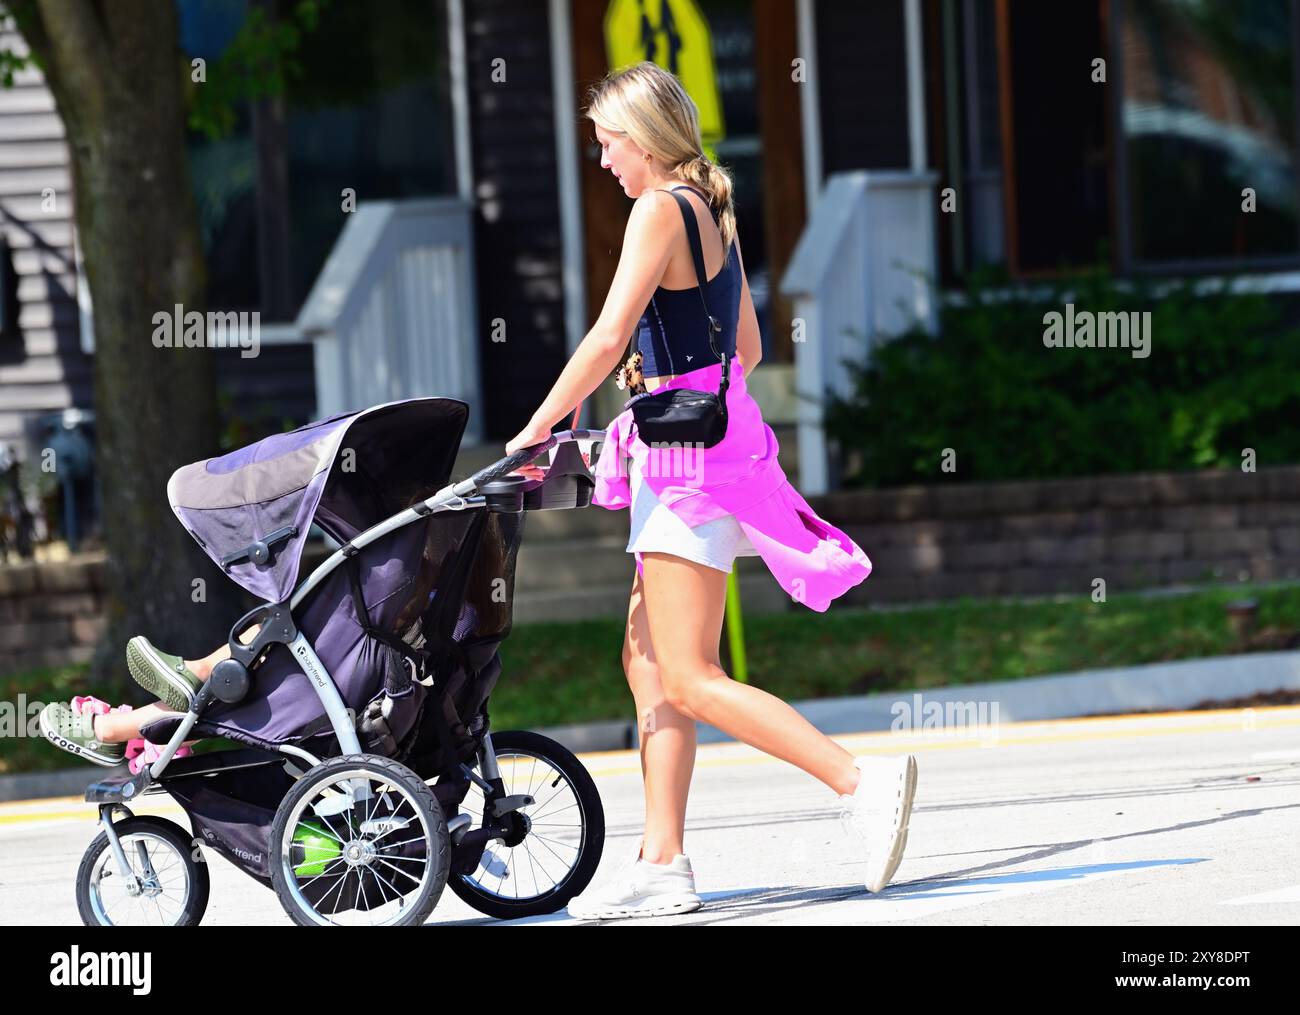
x,y
863,271
392,314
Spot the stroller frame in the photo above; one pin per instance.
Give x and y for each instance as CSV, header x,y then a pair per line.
x,y
229,679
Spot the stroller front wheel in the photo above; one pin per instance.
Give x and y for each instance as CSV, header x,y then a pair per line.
x,y
167,885
556,842
359,839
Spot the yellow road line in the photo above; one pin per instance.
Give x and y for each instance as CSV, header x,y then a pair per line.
x,y
938,742
88,813
1085,720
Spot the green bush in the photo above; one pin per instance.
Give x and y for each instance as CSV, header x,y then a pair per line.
x,y
1223,374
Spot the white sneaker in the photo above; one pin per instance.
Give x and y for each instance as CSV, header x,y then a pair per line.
x,y
878,813
642,889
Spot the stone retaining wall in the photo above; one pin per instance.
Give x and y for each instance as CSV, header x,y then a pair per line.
x,y
925,542
1040,537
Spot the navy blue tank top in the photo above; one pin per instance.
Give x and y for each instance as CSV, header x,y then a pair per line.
x,y
672,335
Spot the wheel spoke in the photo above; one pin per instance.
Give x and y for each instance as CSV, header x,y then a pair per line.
x,y
302,879
547,838
403,842
404,873
390,884
330,834
557,810
540,807
339,887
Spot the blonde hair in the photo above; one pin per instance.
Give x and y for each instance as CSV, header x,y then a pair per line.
x,y
650,106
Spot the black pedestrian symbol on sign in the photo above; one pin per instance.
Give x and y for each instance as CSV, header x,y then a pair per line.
x,y
667,26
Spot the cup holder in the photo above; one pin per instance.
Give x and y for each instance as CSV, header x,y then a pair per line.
x,y
568,484
505,493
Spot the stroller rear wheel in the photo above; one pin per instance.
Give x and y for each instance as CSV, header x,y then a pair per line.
x,y
167,885
556,843
359,839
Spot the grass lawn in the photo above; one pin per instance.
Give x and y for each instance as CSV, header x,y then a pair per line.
x,y
560,673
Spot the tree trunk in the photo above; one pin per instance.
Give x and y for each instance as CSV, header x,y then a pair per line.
x,y
116,71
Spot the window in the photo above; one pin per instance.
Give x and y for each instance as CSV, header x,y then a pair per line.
x,y
370,113
1207,110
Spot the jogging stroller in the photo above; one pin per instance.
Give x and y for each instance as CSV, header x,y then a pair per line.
x,y
362,702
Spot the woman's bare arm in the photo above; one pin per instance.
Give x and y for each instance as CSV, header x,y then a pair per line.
x,y
749,344
647,246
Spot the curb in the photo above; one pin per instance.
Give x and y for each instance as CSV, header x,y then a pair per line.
x,y
1173,686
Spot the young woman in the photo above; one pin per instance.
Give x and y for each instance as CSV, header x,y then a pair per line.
x,y
648,130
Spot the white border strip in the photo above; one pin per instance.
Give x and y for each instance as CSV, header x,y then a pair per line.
x,y
567,173
459,99
809,107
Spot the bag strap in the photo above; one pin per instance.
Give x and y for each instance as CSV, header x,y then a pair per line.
x,y
697,255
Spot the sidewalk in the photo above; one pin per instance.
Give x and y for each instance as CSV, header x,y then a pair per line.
x,y
1168,687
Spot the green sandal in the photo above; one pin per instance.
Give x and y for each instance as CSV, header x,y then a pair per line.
x,y
161,674
76,734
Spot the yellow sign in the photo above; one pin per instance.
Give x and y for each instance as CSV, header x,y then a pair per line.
x,y
675,35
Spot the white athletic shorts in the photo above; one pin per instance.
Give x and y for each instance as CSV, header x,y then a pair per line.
x,y
716,543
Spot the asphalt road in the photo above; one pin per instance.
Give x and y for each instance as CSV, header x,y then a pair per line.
x,y
1185,818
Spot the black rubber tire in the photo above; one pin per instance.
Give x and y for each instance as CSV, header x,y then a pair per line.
x,y
170,832
416,790
590,850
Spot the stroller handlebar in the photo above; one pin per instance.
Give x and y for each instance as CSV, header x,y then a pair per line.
x,y
521,457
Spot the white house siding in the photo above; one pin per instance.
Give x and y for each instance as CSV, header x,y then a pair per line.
x,y
47,371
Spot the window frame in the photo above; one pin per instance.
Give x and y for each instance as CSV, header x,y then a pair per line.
x,y
1126,263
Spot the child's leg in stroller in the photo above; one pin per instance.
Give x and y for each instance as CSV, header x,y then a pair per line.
x,y
122,727
667,739
202,668
119,727
168,677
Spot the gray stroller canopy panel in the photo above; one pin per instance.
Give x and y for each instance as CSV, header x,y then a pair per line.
x,y
345,474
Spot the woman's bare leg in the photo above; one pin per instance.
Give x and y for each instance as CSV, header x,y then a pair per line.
x,y
667,738
685,603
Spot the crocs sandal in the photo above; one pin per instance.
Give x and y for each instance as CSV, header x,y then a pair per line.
x,y
165,676
75,733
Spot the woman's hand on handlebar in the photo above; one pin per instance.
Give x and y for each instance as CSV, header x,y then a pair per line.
x,y
529,436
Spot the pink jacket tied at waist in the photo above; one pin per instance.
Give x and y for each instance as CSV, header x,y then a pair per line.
x,y
811,559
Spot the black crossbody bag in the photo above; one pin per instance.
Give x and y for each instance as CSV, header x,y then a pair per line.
x,y
685,415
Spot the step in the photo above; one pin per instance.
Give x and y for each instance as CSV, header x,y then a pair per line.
x,y
590,522
570,564
565,564
759,594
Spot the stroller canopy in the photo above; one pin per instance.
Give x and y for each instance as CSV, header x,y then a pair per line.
x,y
345,474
